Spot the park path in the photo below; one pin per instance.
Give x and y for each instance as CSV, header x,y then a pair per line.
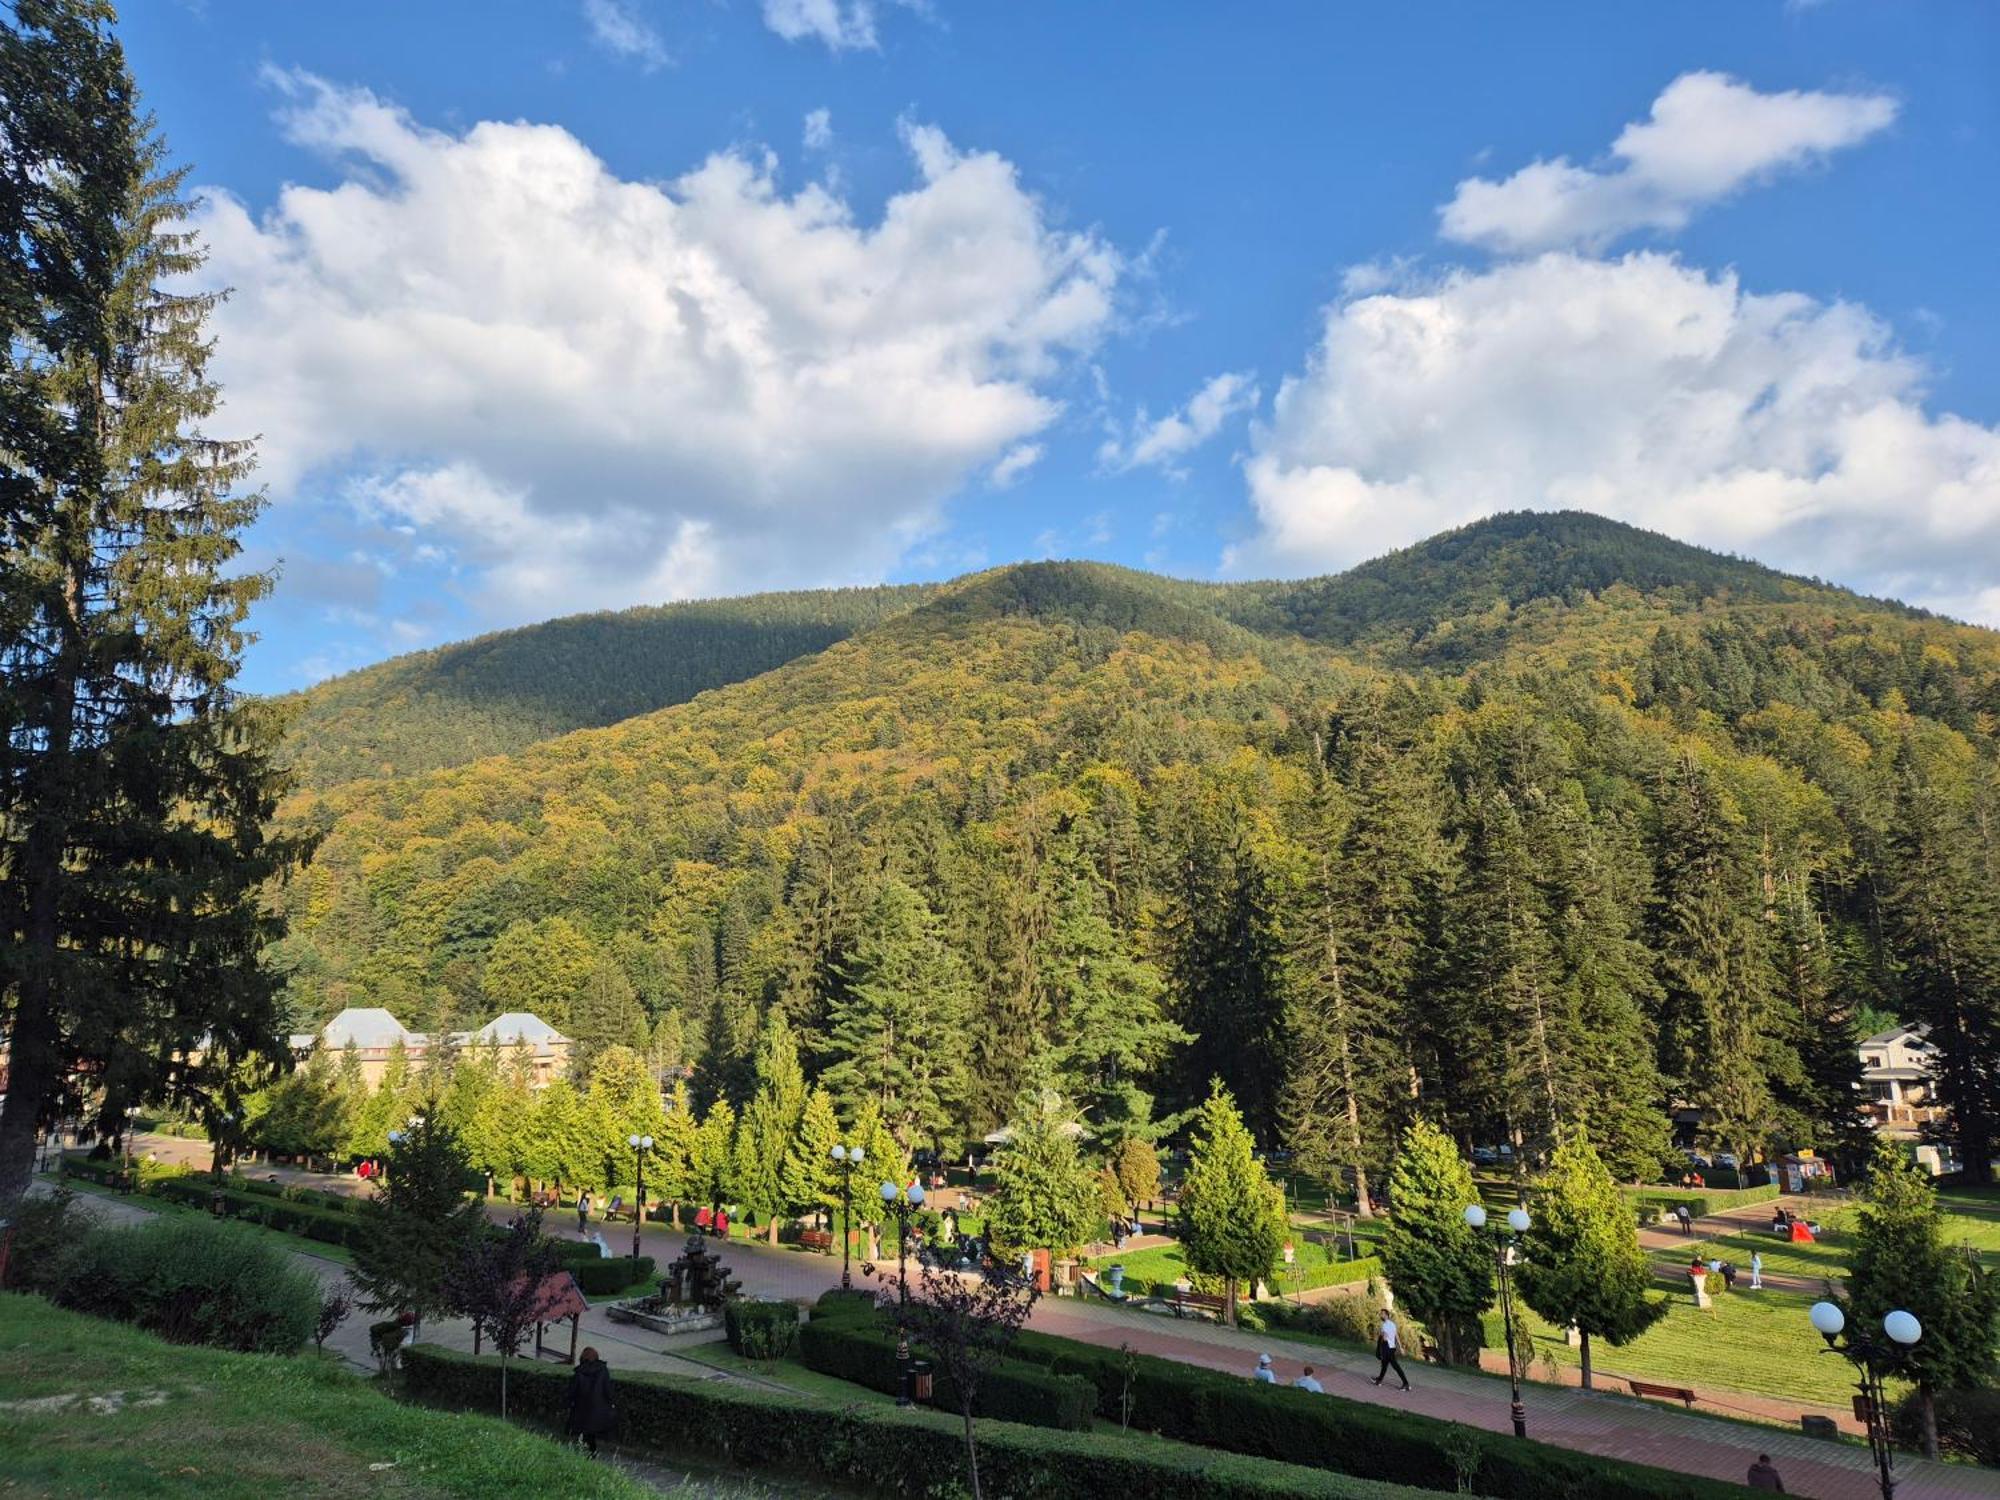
x,y
1597,1422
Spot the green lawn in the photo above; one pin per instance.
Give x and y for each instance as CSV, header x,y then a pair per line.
x,y
1759,1342
1156,1270
198,1422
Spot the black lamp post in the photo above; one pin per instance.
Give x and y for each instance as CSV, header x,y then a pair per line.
x,y
1874,1355
847,1158
640,1145
1505,1238
902,1205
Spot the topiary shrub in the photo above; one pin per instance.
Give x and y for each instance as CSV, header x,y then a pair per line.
x,y
192,1281
864,1351
761,1330
601,1277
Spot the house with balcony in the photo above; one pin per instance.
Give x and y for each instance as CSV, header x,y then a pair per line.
x,y
1896,1073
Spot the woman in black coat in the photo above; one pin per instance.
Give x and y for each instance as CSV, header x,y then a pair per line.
x,y
591,1412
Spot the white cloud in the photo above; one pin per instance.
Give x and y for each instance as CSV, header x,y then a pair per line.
x,y
843,25
1708,137
818,130
1641,388
1015,462
1162,444
588,392
618,28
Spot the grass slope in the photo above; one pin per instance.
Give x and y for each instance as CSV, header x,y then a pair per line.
x,y
223,1426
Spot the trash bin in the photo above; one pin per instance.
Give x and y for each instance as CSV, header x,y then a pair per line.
x,y
920,1380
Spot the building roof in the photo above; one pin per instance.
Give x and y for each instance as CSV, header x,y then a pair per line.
x,y
366,1026
518,1026
1896,1034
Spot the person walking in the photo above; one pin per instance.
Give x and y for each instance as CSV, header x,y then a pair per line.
x,y
1764,1475
1264,1372
1687,1219
1385,1350
1308,1382
592,1412
1756,1270
582,1210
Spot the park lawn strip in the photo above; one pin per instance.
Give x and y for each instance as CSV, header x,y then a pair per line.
x,y
1159,1267
243,1427
1759,1343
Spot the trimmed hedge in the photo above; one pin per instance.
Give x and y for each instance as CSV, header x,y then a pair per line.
x,y
599,1277
1228,1412
860,1350
291,1218
761,1330
1701,1201
880,1449
310,1197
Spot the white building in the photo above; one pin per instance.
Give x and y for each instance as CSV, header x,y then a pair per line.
x,y
1896,1072
373,1034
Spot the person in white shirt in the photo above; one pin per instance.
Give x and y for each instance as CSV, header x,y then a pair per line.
x,y
1385,1350
1264,1371
1306,1382
1756,1270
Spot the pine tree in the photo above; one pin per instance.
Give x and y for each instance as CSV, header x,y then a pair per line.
x,y
1901,1261
559,1148
135,788
606,1014
1583,1265
1232,1219
808,1182
769,1126
1946,926
625,1102
1044,1195
1436,1262
1715,962
898,1037
676,1147
708,1156
416,1229
1105,1024
1137,1167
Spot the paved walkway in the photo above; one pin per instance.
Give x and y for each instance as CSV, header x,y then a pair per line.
x,y
1589,1421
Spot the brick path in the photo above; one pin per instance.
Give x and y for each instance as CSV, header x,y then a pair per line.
x,y
1588,1421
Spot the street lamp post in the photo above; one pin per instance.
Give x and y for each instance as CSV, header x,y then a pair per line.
x,y
1505,1238
847,1158
1874,1356
640,1145
902,1205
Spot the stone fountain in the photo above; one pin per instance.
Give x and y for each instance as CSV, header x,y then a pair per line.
x,y
690,1296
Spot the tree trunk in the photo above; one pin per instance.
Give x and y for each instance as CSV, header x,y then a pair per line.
x,y
971,1448
1229,1301
1583,1356
503,1385
1927,1405
771,1231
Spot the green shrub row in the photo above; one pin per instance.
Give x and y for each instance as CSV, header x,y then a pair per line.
x,y
1241,1416
864,1352
761,1330
311,1197
600,1277
319,1224
1701,1201
880,1449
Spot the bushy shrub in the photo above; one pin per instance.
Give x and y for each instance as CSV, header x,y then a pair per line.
x,y
881,1449
1968,1424
864,1352
1228,1412
600,1277
46,1230
761,1330
1349,1316
192,1281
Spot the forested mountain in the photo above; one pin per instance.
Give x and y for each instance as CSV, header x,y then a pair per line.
x,y
1666,837
503,691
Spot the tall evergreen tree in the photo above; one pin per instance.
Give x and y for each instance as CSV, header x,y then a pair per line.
x,y
1946,924
1044,1194
1584,1267
134,787
769,1125
1231,1216
606,1014
1437,1263
808,1182
898,1036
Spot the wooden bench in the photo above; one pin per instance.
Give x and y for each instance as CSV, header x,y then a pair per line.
x,y
816,1239
1198,1304
1678,1393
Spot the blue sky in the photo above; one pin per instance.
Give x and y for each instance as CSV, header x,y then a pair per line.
x,y
554,306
